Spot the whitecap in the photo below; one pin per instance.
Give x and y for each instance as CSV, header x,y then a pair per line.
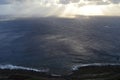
x,y
76,67
13,67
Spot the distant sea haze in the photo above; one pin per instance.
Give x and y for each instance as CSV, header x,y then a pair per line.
x,y
59,44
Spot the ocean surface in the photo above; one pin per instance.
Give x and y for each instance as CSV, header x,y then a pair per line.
x,y
58,44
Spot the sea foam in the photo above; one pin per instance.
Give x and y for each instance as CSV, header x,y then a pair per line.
x,y
13,67
76,67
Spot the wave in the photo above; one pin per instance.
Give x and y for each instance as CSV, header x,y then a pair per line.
x,y
76,67
13,67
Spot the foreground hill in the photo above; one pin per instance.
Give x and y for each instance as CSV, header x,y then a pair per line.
x,y
82,73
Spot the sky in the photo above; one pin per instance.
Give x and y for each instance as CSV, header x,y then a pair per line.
x,y
59,8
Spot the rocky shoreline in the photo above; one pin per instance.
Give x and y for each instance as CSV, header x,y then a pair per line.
x,y
109,72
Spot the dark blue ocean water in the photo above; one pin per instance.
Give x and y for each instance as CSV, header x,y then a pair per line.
x,y
59,43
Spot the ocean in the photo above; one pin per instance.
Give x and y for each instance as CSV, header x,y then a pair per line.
x,y
59,44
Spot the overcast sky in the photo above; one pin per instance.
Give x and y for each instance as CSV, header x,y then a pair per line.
x,y
61,8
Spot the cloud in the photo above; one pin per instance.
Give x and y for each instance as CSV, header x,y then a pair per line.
x,y
115,1
31,8
103,2
82,1
68,1
45,8
64,1
4,2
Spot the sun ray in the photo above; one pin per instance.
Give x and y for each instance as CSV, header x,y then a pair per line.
x,y
87,10
90,10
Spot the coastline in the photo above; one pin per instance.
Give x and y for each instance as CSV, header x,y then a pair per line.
x,y
105,72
